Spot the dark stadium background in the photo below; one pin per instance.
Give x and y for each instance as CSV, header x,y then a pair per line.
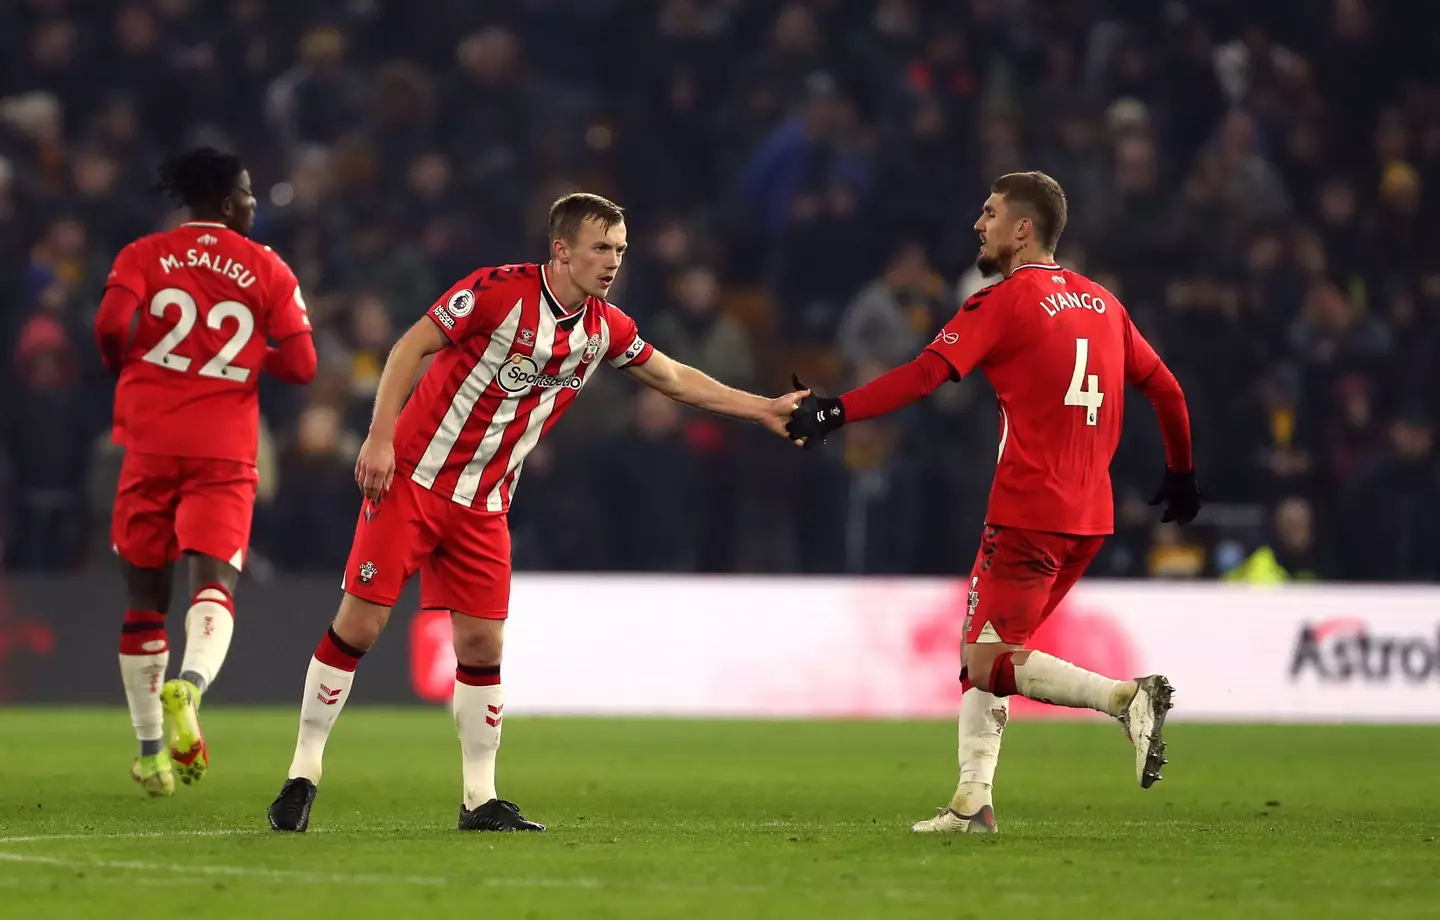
x,y
1257,181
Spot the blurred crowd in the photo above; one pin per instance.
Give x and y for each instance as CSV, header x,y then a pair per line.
x,y
1257,181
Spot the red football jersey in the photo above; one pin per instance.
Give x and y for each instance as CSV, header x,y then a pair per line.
x,y
516,361
1058,349
209,300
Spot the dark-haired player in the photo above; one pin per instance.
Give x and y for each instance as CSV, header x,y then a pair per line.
x,y
186,322
1058,349
513,346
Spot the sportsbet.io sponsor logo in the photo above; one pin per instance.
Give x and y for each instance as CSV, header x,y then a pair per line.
x,y
521,373
1344,650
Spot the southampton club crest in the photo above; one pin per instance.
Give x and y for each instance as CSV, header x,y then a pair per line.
x,y
367,572
592,348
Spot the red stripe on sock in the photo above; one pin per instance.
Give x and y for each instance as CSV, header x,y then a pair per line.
x,y
328,653
1002,675
147,617
144,633
228,603
477,680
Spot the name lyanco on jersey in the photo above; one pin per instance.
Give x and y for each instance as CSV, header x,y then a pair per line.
x,y
1064,300
229,268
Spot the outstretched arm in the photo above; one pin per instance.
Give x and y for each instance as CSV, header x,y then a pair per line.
x,y
895,389
693,387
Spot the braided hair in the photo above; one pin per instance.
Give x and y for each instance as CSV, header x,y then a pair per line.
x,y
201,178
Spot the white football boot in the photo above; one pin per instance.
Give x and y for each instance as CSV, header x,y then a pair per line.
x,y
1144,720
949,821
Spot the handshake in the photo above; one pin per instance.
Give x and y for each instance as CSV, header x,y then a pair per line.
x,y
802,417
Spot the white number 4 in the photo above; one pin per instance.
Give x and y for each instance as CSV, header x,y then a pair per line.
x,y
219,366
1085,391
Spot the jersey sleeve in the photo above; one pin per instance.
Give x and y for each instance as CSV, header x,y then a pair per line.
x,y
126,272
1140,359
626,345
973,334
468,308
285,311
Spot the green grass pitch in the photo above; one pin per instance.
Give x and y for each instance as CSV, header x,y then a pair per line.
x,y
656,818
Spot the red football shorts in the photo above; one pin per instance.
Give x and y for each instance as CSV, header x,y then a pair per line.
x,y
463,555
168,505
1019,577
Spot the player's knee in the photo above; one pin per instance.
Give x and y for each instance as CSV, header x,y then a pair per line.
x,y
207,570
983,666
478,643
360,622
147,589
979,675
980,663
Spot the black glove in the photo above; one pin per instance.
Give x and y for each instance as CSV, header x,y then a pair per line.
x,y
1180,496
815,418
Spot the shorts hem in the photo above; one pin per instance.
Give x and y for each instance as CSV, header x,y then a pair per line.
x,y
130,559
501,614
372,597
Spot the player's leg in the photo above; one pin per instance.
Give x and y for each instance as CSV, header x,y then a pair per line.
x,y
471,578
210,619
142,532
209,626
144,656
1019,577
996,658
1147,699
979,728
212,527
328,681
389,538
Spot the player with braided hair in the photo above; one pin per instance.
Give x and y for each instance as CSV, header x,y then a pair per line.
x,y
186,325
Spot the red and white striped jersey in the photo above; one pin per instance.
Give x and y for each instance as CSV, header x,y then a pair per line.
x,y
516,361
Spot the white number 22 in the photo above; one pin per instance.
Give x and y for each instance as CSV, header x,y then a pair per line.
x,y
219,366
1085,390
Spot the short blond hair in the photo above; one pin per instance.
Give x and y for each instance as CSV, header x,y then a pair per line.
x,y
570,211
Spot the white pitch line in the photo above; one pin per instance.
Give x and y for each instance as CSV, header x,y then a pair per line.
x,y
181,869
128,835
178,870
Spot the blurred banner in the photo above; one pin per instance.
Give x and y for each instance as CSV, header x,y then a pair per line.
x,y
786,647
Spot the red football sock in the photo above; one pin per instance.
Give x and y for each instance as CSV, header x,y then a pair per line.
x,y
478,676
1002,675
335,652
